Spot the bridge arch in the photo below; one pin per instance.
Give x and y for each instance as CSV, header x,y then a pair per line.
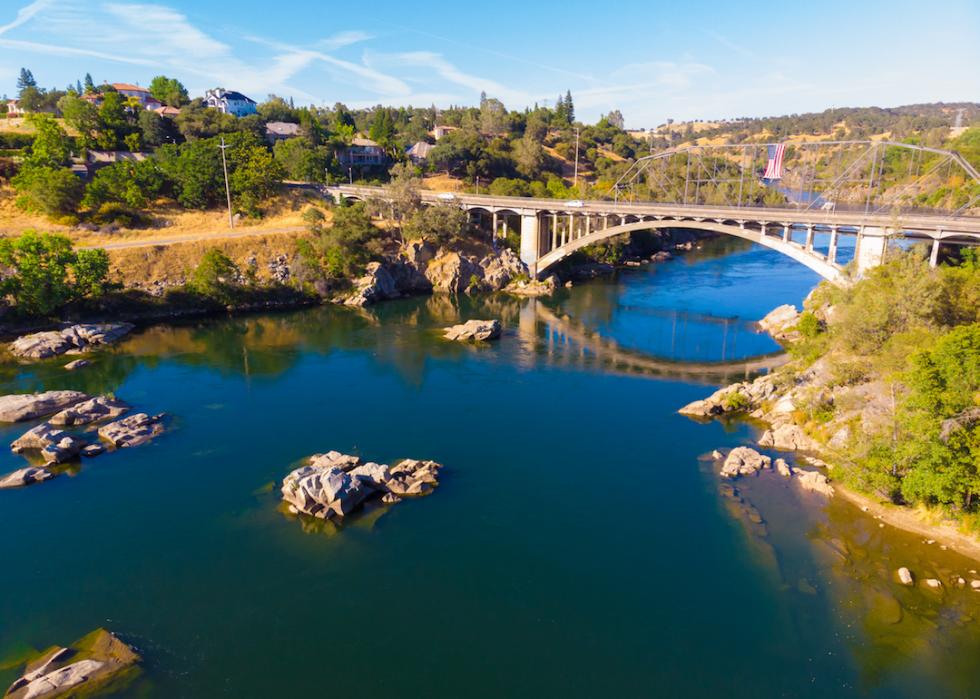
x,y
814,260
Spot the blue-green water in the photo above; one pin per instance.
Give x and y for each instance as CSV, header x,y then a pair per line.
x,y
576,547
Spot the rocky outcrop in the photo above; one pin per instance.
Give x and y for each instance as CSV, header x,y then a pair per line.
x,y
75,338
77,364
101,408
814,481
452,272
376,285
533,287
82,669
781,323
788,438
20,407
662,256
132,431
25,477
56,446
334,484
500,269
743,461
474,330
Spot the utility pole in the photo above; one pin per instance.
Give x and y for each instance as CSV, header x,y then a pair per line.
x,y
224,166
575,181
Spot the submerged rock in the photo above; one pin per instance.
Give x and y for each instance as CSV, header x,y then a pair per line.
x,y
87,666
133,430
77,364
100,408
334,484
474,330
783,468
57,446
25,477
77,337
20,407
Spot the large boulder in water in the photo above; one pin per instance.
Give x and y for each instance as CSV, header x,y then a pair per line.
x,y
85,668
101,408
743,461
56,446
76,337
334,484
133,430
376,285
20,407
474,330
787,437
25,477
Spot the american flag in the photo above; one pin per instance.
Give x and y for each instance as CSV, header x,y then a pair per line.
x,y
774,168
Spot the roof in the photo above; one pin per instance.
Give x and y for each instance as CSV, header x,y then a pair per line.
x,y
420,149
363,142
131,88
231,95
282,128
167,111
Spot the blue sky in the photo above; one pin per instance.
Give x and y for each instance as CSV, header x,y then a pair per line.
x,y
652,61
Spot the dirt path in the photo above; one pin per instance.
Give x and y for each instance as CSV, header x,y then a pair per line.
x,y
152,242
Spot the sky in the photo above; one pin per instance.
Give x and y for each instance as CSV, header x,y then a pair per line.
x,y
652,61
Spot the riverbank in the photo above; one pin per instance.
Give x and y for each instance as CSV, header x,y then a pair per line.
x,y
808,413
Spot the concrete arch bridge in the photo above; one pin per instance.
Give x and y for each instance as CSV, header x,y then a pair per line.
x,y
552,229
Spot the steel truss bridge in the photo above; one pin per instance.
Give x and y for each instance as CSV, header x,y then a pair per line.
x,y
870,192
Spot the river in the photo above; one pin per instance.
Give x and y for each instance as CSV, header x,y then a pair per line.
x,y
579,545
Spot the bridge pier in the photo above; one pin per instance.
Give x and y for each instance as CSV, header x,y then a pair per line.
x,y
871,245
832,252
787,233
934,256
809,237
530,240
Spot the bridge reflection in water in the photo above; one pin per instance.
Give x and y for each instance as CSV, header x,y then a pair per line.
x,y
553,338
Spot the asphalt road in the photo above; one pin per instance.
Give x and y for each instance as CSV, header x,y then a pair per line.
x,y
170,241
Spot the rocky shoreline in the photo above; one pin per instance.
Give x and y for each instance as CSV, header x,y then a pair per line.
x,y
779,403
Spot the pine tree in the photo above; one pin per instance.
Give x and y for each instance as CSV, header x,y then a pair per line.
x,y
25,80
89,85
569,108
78,87
561,115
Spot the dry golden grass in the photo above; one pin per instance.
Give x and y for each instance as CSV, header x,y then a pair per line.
x,y
20,125
170,221
171,262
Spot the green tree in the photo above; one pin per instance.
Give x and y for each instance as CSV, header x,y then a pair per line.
x,y
942,421
50,147
170,91
48,273
81,115
441,224
216,277
25,81
90,88
49,189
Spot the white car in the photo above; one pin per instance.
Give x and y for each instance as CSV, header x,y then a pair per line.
x,y
447,196
575,204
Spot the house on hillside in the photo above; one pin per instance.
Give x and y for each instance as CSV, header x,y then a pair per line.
x,y
13,109
229,102
362,152
419,152
147,100
280,131
440,131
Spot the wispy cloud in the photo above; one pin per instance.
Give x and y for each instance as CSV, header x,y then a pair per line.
x,y
25,13
724,41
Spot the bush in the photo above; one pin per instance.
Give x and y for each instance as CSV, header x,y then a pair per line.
x,y
808,326
216,278
49,190
48,273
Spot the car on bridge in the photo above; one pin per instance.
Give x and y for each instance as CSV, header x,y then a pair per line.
x,y
447,196
575,204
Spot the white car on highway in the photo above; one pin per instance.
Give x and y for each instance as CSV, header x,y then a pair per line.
x,y
575,204
447,196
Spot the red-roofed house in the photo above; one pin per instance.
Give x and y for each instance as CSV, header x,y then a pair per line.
x,y
141,93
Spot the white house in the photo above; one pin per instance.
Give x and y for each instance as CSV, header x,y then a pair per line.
x,y
230,102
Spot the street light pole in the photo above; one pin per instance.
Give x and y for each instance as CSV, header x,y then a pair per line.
x,y
224,166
